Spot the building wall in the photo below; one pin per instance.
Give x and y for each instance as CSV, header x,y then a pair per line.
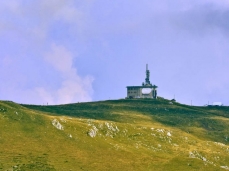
x,y
133,92
136,92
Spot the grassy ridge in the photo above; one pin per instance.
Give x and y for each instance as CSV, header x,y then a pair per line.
x,y
187,118
138,134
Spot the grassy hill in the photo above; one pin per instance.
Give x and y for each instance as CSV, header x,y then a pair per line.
x,y
136,134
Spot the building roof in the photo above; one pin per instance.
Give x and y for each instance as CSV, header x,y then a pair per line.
x,y
145,86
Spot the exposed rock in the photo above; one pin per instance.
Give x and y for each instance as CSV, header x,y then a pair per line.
x,y
225,167
92,133
169,134
57,124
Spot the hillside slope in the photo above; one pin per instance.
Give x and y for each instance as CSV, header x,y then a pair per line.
x,y
138,134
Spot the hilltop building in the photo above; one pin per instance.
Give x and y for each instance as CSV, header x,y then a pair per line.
x,y
146,90
217,104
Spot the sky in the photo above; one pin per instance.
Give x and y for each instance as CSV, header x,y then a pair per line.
x,y
70,51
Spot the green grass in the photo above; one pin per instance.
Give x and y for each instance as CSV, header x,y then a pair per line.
x,y
137,134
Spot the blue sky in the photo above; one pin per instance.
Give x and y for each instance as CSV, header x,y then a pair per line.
x,y
66,51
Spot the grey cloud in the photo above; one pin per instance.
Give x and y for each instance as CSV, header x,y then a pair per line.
x,y
202,20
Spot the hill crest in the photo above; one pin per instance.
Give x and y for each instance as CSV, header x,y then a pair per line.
x,y
118,133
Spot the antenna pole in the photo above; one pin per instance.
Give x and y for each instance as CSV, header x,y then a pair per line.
x,y
147,81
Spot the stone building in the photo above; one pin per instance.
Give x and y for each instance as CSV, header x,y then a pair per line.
x,y
146,90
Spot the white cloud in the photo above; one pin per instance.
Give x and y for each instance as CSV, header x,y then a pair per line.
x,y
30,24
74,90
60,58
44,95
35,19
73,87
